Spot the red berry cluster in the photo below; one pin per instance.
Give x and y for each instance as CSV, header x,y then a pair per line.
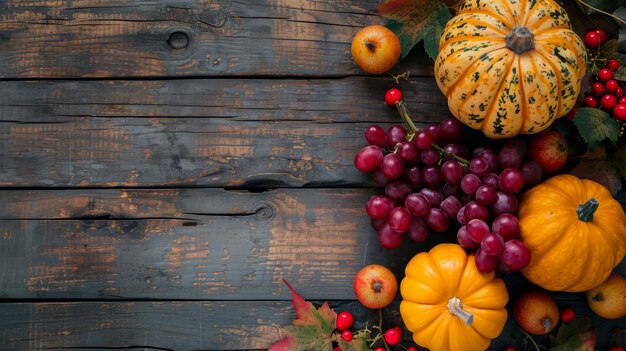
x,y
391,336
606,92
595,38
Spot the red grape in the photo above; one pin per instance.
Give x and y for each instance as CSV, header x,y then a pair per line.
x,y
413,176
368,159
379,206
395,135
430,157
492,244
512,153
380,178
399,219
515,255
397,191
460,216
486,195
437,220
377,223
462,236
451,205
389,238
409,152
479,166
510,180
477,229
457,150
432,177
434,132
474,210
392,166
451,189
506,203
451,131
418,230
507,225
417,204
434,196
375,135
452,171
485,263
470,183
532,172
490,179
423,140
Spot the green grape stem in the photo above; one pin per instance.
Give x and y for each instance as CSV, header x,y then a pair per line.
x,y
404,113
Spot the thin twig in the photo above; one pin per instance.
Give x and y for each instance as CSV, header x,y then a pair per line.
x,y
602,12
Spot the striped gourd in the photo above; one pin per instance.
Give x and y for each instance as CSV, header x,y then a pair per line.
x,y
510,66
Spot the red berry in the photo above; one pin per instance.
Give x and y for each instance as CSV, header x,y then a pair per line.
x,y
345,320
602,35
346,335
622,100
567,314
616,348
392,96
605,74
379,348
611,86
510,348
619,92
337,348
613,65
592,40
597,89
619,111
393,337
590,101
608,101
411,348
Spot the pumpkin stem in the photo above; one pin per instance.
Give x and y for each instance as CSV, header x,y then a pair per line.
x,y
456,308
585,211
520,39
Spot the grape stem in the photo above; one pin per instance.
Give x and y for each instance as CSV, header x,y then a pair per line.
x,y
404,113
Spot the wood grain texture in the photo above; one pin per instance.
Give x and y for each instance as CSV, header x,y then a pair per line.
x,y
252,133
187,243
123,38
200,325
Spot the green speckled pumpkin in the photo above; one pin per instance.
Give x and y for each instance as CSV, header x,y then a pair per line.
x,y
510,66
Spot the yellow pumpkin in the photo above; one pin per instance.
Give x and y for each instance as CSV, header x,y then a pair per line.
x,y
448,304
576,233
510,66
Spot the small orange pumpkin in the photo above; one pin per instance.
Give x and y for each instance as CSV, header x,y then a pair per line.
x,y
576,233
448,304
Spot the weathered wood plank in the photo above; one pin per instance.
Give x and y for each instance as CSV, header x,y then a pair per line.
x,y
141,38
187,244
201,132
198,325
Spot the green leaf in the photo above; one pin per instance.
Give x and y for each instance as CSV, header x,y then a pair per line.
x,y
414,21
311,330
576,335
617,160
595,125
357,344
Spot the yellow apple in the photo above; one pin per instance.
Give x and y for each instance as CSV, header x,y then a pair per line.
x,y
375,49
375,286
608,300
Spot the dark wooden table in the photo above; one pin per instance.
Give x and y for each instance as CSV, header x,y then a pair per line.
x,y
165,164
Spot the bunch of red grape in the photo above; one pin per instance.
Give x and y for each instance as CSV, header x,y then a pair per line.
x,y
429,187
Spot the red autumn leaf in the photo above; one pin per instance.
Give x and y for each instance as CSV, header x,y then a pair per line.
x,y
312,330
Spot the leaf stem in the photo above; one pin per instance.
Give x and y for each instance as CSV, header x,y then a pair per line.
x,y
602,12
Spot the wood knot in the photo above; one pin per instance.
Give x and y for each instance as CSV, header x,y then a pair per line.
x,y
264,212
178,40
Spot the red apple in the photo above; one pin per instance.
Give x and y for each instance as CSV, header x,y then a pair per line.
x,y
375,286
375,49
549,149
608,300
536,312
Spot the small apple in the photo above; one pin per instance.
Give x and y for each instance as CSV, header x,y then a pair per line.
x,y
375,286
536,312
608,300
375,49
549,149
